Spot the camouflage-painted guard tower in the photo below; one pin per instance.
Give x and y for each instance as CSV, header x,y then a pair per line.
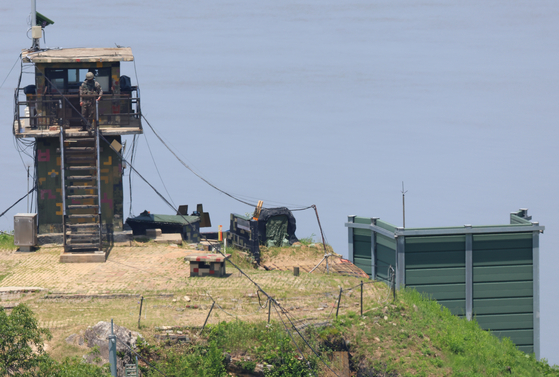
x,y
78,175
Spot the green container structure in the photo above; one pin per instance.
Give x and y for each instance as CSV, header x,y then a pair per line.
x,y
490,272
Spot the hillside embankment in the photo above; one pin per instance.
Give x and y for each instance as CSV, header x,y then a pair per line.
x,y
314,321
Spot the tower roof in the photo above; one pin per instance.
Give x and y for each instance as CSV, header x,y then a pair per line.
x,y
76,55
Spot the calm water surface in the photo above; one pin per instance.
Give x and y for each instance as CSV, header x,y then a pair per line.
x,y
333,104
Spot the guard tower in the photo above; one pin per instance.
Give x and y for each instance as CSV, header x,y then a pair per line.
x,y
78,173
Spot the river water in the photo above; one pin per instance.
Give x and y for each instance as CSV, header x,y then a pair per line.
x,y
331,103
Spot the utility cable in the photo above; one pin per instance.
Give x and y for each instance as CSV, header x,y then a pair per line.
x,y
157,169
19,200
193,172
8,75
132,155
199,176
294,342
307,343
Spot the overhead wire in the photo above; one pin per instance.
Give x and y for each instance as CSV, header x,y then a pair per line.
x,y
8,75
158,173
199,176
19,200
308,345
293,339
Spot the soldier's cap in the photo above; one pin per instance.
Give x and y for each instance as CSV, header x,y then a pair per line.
x,y
89,75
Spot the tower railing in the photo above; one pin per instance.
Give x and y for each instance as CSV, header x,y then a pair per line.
x,y
34,112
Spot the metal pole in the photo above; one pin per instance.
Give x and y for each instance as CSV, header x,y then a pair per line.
x,y
27,188
322,235
339,299
140,316
317,265
403,205
206,321
394,284
33,13
361,298
35,44
63,184
269,309
112,351
98,174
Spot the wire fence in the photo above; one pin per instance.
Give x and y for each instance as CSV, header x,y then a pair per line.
x,y
211,310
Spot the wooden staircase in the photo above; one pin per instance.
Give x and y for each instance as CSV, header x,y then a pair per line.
x,y
81,192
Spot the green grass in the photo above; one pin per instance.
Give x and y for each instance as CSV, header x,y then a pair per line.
x,y
410,337
419,337
307,240
7,241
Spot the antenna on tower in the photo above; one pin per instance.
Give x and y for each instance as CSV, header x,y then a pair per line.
x,y
404,204
38,23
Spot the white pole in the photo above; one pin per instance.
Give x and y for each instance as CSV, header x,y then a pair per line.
x,y
33,13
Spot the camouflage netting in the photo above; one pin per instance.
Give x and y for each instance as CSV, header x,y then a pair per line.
x,y
276,227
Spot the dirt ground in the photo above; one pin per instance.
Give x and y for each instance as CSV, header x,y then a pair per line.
x,y
67,298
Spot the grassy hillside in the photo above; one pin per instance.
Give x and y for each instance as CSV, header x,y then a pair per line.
x,y
410,337
7,241
416,336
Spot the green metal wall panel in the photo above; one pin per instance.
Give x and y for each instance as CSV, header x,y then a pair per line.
x,y
456,307
362,232
389,243
362,220
442,291
435,259
385,225
499,257
505,321
435,243
435,266
362,249
364,264
526,349
382,270
503,289
386,255
361,238
435,276
502,273
502,241
503,305
514,219
519,337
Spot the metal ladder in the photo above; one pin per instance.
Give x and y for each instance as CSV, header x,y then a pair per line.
x,y
81,192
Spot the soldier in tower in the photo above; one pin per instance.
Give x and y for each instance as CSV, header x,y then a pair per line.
x,y
88,91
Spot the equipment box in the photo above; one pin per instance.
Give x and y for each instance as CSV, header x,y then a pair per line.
x,y
25,229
